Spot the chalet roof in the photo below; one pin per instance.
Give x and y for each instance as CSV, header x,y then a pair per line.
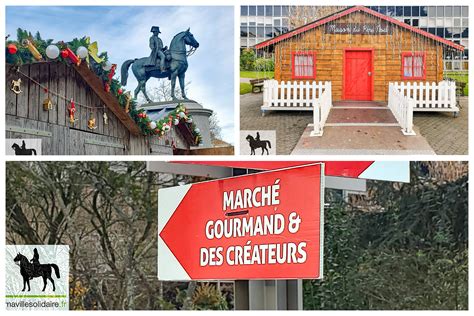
x,y
109,100
348,11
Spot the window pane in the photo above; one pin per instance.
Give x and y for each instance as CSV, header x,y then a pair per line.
x,y
244,31
244,10
415,11
418,66
260,10
399,11
252,10
277,10
432,11
465,12
407,11
268,10
423,11
440,11
457,11
448,11
284,10
407,66
390,11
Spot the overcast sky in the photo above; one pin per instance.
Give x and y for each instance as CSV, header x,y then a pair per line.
x,y
124,33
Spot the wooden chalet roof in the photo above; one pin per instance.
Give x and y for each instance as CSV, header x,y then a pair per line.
x,y
348,11
109,100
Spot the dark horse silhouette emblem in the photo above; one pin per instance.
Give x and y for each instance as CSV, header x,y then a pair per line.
x,y
23,151
255,143
34,269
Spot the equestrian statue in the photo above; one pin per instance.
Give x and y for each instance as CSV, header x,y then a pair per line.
x,y
169,63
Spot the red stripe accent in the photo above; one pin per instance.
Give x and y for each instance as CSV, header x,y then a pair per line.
x,y
347,12
350,169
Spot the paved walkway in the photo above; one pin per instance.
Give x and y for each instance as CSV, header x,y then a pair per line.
x,y
443,133
362,140
446,134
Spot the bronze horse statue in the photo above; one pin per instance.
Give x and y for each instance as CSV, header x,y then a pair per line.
x,y
176,65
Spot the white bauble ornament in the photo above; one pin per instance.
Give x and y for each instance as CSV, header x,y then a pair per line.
x,y
197,130
82,52
176,121
52,51
152,124
189,120
166,128
181,114
107,66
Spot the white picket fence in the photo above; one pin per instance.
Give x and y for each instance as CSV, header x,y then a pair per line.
x,y
321,110
402,108
430,96
291,95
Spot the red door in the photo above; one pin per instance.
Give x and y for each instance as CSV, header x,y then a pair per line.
x,y
358,75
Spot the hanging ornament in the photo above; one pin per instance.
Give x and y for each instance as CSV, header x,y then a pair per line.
x,y
33,50
107,87
107,66
12,49
128,97
181,114
94,52
189,120
52,52
16,86
112,72
176,121
166,128
47,104
64,54
72,57
197,130
82,52
72,111
91,122
120,91
106,119
152,125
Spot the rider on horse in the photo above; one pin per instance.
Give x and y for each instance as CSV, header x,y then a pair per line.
x,y
156,46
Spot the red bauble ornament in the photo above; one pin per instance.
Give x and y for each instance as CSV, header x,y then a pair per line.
x,y
12,49
64,54
120,91
106,87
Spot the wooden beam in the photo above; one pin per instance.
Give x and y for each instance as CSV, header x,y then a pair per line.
x,y
109,100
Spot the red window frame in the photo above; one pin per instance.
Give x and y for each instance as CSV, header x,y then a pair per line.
x,y
303,53
414,54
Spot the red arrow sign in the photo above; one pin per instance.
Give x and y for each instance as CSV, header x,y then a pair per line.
x,y
261,226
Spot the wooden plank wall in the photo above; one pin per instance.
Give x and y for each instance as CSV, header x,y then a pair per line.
x,y
329,50
25,110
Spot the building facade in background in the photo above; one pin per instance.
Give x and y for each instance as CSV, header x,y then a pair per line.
x,y
259,23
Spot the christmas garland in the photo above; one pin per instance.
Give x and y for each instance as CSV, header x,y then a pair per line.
x,y
29,49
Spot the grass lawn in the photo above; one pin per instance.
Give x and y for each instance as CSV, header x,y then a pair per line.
x,y
256,74
245,88
461,77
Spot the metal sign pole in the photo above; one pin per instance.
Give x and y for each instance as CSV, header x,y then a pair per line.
x,y
267,294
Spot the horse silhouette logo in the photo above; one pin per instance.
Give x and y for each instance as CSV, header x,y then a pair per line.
x,y
255,143
23,151
30,269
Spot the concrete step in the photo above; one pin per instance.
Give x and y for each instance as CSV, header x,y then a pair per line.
x,y
359,104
